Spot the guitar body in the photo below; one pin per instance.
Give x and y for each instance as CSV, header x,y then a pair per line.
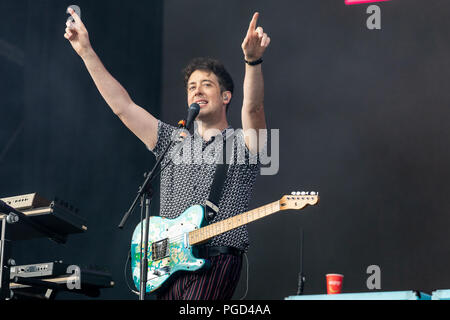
x,y
168,250
172,243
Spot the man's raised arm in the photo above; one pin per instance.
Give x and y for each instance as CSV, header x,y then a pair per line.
x,y
253,118
138,120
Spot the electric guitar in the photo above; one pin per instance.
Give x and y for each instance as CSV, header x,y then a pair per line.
x,y
172,242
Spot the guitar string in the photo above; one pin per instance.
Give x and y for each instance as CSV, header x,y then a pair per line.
x,y
178,237
181,236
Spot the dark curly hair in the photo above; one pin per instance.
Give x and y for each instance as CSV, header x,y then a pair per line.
x,y
212,65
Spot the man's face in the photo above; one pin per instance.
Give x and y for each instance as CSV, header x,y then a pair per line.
x,y
203,88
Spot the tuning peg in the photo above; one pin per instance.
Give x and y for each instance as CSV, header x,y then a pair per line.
x,y
313,193
293,193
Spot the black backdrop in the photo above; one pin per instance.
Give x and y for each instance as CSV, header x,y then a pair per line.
x,y
362,117
71,145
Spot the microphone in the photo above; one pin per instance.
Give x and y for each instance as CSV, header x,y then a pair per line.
x,y
193,111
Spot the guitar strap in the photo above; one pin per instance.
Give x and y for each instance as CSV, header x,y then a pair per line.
x,y
215,194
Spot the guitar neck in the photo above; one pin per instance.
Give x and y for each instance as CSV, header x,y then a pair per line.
x,y
204,234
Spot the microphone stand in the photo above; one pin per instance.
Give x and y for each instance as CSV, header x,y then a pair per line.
x,y
145,194
301,276
5,260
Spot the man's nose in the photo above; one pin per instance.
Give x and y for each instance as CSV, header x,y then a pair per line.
x,y
198,91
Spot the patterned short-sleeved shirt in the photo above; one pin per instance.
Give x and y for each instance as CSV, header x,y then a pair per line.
x,y
186,183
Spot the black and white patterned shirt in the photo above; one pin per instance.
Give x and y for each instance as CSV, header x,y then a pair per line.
x,y
185,184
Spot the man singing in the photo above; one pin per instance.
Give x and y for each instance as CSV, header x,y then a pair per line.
x,y
209,85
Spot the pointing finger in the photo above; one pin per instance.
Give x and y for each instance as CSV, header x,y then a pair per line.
x,y
75,16
252,25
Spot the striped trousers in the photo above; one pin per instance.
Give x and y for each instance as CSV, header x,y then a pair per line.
x,y
215,283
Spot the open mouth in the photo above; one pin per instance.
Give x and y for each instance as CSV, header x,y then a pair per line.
x,y
202,103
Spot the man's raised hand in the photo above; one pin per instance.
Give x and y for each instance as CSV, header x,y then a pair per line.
x,y
255,42
77,34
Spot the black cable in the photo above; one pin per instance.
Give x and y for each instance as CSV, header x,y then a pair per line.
x,y
246,289
125,274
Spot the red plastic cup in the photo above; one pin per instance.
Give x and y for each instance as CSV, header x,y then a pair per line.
x,y
334,283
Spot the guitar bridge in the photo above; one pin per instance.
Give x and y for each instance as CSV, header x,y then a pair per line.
x,y
160,249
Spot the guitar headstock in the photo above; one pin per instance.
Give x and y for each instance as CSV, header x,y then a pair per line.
x,y
298,200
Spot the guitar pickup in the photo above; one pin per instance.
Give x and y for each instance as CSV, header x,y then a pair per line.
x,y
162,271
160,249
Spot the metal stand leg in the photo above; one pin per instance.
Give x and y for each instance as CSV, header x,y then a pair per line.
x,y
144,261
5,254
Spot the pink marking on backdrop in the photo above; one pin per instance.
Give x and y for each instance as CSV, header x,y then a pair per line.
x,y
350,2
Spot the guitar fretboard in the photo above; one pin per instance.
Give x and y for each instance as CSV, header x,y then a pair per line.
x,y
203,234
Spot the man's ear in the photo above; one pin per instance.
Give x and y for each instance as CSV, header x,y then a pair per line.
x,y
226,96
